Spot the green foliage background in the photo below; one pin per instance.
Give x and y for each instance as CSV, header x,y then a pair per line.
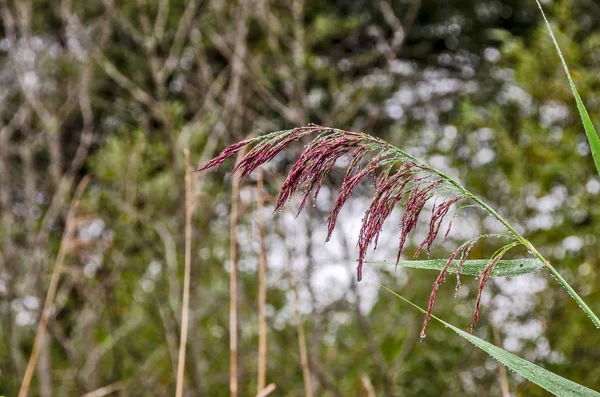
x,y
476,86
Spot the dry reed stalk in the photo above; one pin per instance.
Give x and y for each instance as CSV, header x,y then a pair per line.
x,y
502,376
301,339
106,390
267,390
262,288
233,276
368,386
52,288
190,206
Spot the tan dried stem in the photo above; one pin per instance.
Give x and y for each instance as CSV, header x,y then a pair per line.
x,y
233,279
368,386
190,206
262,288
106,390
267,390
47,311
301,339
502,376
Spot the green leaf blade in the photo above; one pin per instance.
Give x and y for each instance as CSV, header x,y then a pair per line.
x,y
549,381
590,131
588,125
504,268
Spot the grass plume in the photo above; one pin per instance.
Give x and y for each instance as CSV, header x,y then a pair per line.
x,y
398,179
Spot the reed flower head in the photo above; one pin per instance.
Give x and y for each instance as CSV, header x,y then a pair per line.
x,y
398,178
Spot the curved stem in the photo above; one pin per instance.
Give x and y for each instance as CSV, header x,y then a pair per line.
x,y
511,229
531,248
571,292
547,264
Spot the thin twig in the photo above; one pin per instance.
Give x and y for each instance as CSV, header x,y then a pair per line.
x,y
301,340
106,390
368,386
262,288
94,355
183,27
376,353
267,390
298,51
502,376
48,303
190,204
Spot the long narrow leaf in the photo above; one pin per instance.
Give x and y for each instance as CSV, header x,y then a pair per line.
x,y
504,268
553,383
590,131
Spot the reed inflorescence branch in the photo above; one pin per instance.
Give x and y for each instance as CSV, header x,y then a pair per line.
x,y
398,179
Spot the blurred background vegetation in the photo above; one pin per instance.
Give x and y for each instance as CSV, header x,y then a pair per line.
x,y
118,89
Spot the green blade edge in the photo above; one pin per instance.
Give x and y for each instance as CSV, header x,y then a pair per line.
x,y
590,131
504,268
542,377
